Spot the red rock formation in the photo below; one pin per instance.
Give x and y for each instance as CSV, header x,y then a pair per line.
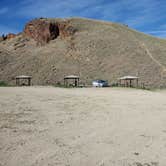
x,y
65,29
10,36
43,31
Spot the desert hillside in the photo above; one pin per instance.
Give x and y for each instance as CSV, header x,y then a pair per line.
x,y
48,49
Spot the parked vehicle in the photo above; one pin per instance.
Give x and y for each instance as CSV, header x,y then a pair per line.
x,y
100,83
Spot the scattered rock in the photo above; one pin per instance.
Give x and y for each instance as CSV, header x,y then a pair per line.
x,y
20,45
145,164
136,153
137,164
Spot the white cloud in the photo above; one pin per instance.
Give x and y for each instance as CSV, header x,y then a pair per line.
x,y
159,33
4,10
5,30
54,8
163,27
133,12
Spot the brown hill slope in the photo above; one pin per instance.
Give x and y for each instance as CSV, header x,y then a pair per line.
x,y
88,48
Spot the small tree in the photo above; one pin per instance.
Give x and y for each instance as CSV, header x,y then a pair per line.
x,y
4,37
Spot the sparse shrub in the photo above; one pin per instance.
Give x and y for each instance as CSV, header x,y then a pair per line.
x,y
59,84
4,37
3,83
114,84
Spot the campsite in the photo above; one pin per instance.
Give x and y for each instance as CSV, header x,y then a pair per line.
x,y
83,83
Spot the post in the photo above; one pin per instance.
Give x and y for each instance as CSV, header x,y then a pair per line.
x,y
64,82
75,82
126,83
17,81
29,81
130,82
137,82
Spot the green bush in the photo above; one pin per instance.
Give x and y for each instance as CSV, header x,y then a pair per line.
x,y
3,83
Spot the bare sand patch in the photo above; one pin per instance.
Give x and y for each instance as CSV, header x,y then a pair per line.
x,y
42,126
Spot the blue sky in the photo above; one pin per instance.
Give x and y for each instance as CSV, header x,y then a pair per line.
x,y
147,16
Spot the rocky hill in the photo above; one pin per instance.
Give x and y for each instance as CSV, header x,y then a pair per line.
x,y
48,49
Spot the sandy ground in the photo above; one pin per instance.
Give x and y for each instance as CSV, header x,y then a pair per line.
x,y
46,126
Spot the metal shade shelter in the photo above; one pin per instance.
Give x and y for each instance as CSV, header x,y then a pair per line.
x,y
23,80
128,81
71,80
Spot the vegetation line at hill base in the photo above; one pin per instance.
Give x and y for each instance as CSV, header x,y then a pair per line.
x,y
4,84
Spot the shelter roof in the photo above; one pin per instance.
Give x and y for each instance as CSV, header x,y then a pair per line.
x,y
71,77
128,78
23,76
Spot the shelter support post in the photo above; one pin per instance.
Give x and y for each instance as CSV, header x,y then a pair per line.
x,y
29,82
137,82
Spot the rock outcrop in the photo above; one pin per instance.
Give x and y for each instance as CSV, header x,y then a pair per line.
x,y
7,37
42,31
65,29
10,36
